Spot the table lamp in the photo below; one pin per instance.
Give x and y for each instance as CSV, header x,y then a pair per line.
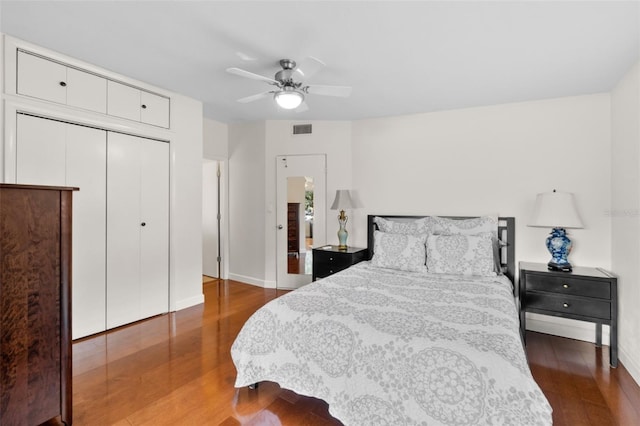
x,y
556,210
341,202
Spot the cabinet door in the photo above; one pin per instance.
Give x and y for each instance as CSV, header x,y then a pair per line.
x,y
86,169
155,109
87,91
41,78
137,229
123,101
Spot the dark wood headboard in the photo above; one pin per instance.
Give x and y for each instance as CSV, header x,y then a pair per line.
x,y
506,234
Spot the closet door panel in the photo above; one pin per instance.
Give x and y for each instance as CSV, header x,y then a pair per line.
x,y
123,229
154,237
86,169
41,151
155,109
41,78
123,101
86,90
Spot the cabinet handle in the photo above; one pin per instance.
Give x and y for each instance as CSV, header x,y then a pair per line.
x,y
331,258
566,305
144,106
63,84
143,224
565,285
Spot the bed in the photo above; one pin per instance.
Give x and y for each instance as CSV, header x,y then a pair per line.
x,y
400,341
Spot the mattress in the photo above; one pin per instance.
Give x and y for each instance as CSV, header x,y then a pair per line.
x,y
385,347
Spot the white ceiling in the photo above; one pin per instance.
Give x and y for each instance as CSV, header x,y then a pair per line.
x,y
399,57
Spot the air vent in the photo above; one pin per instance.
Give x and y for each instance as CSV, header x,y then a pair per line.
x,y
301,129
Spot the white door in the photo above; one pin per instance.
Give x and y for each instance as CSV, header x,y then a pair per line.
x,y
55,153
137,228
301,206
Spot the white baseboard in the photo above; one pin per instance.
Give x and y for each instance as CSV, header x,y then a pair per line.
x,y
187,303
572,329
630,364
253,281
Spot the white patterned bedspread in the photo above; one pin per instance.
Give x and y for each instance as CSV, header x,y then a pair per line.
x,y
384,347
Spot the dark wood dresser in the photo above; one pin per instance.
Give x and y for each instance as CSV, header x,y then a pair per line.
x,y
585,294
35,304
293,228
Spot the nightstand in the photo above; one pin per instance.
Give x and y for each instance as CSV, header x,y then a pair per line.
x,y
586,294
328,260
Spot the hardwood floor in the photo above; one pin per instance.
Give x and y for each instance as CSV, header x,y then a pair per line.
x,y
176,369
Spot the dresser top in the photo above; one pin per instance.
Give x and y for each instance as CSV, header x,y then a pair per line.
x,y
349,249
578,271
43,187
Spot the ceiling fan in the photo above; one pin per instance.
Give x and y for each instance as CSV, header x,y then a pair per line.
x,y
288,92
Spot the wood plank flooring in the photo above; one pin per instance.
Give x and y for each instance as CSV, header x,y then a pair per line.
x,y
176,369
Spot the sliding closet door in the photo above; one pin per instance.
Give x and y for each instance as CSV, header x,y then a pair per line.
x,y
54,153
137,229
154,237
87,170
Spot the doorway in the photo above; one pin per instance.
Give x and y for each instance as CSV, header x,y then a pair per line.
x,y
301,207
211,221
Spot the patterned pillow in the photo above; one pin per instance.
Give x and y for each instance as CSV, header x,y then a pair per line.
x,y
476,225
461,254
406,227
399,251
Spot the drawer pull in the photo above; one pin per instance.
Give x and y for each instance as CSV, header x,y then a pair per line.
x,y
331,258
566,305
63,84
565,285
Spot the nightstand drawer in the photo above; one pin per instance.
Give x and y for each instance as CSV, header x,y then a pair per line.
x,y
331,260
567,305
328,260
569,285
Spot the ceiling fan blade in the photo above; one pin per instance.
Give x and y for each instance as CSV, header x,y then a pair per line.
x,y
309,66
339,91
247,74
303,107
255,97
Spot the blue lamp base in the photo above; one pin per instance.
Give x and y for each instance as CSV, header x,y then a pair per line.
x,y
559,245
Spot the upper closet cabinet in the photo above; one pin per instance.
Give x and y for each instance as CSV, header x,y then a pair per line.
x,y
45,79
139,105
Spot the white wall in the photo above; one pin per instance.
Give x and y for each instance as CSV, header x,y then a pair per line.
x,y
492,159
216,140
247,202
625,213
209,218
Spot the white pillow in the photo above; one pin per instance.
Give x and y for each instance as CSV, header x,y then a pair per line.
x,y
461,254
473,226
403,226
399,251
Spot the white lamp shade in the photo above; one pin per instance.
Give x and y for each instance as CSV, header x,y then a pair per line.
x,y
555,210
289,99
342,200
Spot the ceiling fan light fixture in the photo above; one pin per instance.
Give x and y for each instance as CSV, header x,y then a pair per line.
x,y
288,98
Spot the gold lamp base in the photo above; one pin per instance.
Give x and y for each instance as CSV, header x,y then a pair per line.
x,y
342,232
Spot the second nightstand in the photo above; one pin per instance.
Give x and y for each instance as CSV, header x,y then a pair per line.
x,y
586,294
328,260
